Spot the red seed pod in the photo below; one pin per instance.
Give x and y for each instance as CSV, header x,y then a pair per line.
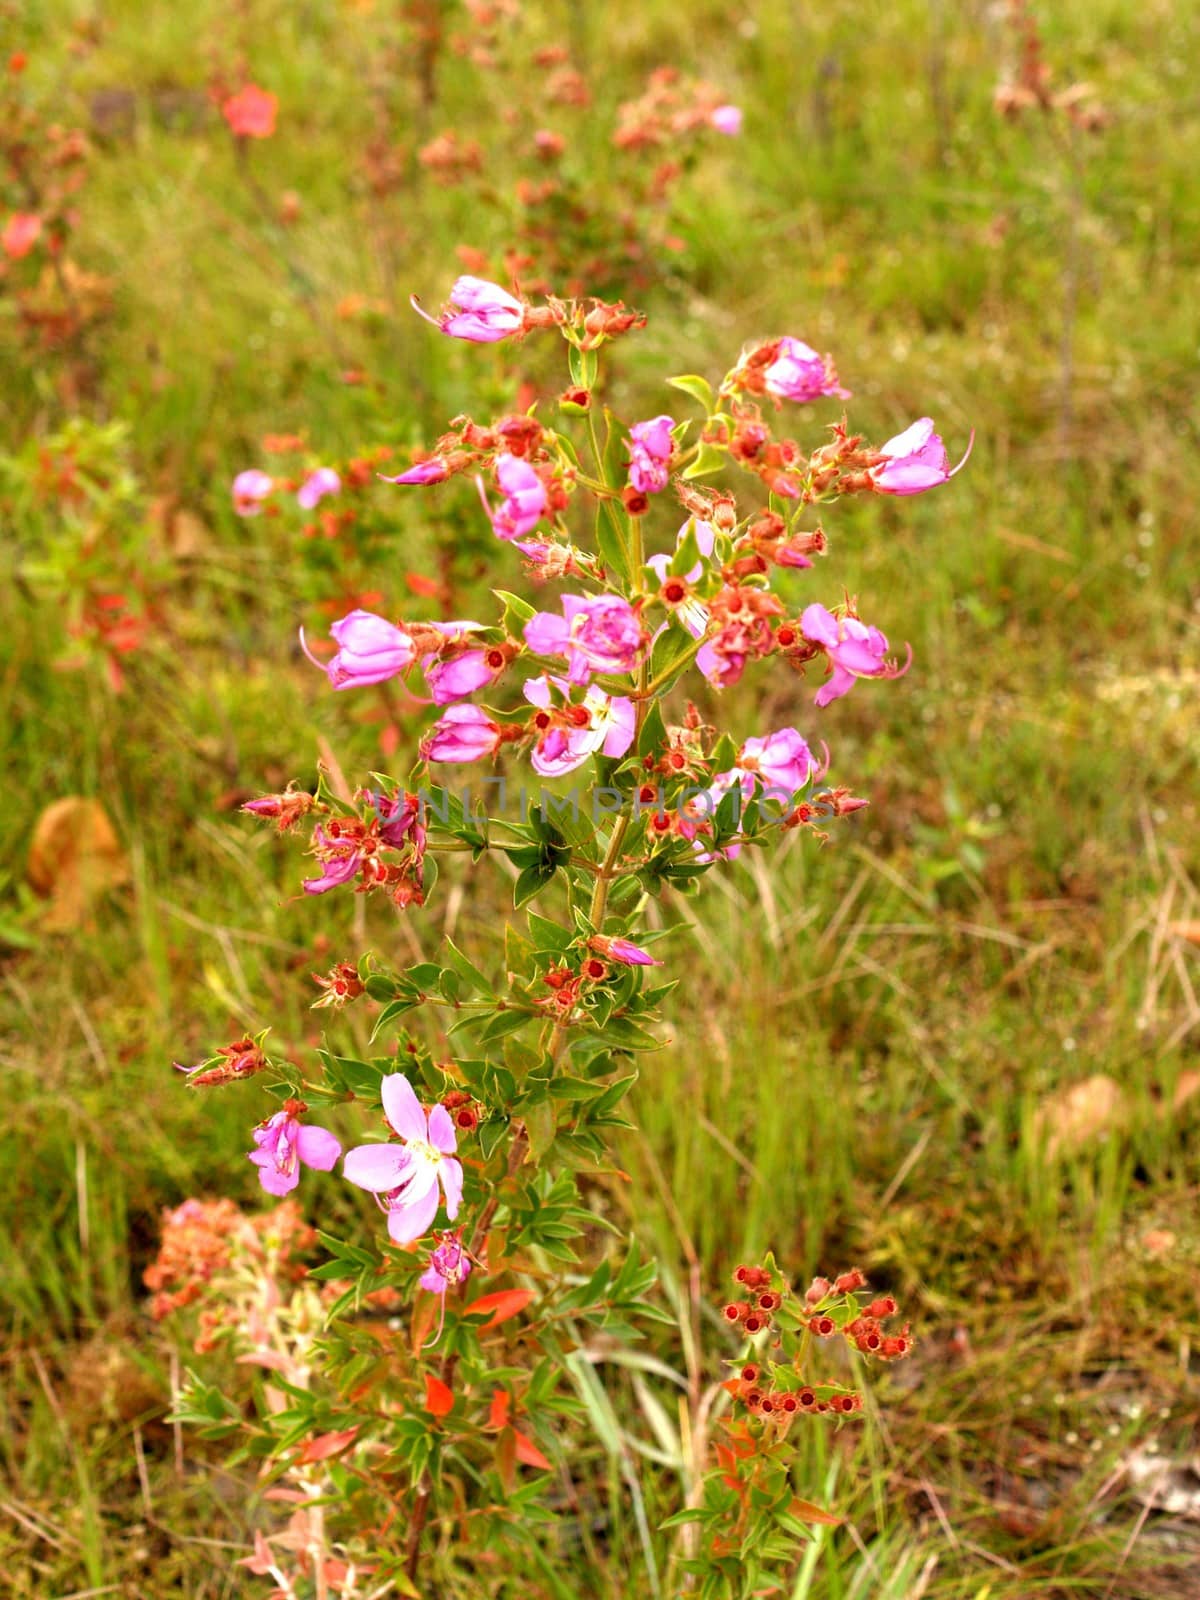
x,y
789,1403
735,1311
817,1290
769,1301
849,1281
823,1327
749,1373
754,1399
767,1406
885,1306
806,1400
846,1403
754,1323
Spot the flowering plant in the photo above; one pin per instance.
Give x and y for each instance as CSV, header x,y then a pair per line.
x,y
485,1134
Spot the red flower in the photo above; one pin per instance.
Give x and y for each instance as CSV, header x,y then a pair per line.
x,y
21,233
251,112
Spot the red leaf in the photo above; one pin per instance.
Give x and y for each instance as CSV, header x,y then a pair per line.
x,y
438,1398
498,1415
805,1511
429,588
326,1445
529,1453
505,1303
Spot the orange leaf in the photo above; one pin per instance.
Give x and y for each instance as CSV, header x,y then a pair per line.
x,y
498,1415
805,1511
74,858
326,1445
529,1453
505,1303
438,1398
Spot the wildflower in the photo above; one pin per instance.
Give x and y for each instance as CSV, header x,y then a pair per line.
x,y
524,502
448,1265
650,451
340,984
21,232
370,650
232,1063
405,1177
250,489
435,470
340,861
915,460
569,734
479,311
284,1143
251,112
782,760
285,809
461,674
464,733
316,486
596,633
854,651
622,950
726,120
799,373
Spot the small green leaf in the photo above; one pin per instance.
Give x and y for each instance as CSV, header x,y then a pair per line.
x,y
699,388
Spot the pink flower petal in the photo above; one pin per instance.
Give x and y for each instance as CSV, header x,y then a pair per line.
x,y
409,1222
402,1108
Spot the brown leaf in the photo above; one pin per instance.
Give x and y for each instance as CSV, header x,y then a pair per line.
x,y
1185,930
1082,1111
806,1511
75,857
1186,1085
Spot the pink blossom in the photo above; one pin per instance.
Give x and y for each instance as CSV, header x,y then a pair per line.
x,y
782,760
284,1143
250,489
448,1265
479,311
434,470
622,950
371,650
454,677
316,486
21,232
602,722
405,1177
650,451
916,460
799,373
251,112
465,733
596,633
524,502
340,861
726,119
854,651
722,667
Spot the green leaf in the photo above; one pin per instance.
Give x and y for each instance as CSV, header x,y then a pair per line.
x,y
709,460
467,970
654,731
699,388
531,881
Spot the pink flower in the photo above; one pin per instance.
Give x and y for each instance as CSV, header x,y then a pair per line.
x,y
434,470
371,650
251,112
250,489
721,666
316,486
629,955
524,502
284,1143
782,760
340,861
650,451
596,633
854,651
465,733
799,373
916,460
569,735
405,1177
726,119
448,1265
479,311
21,232
457,676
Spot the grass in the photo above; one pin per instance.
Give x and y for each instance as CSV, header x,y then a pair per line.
x,y
869,1033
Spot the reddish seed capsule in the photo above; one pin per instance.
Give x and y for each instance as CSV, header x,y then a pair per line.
x,y
769,1301
754,1399
823,1327
750,1374
754,1323
789,1403
735,1311
885,1306
817,1290
806,1400
849,1281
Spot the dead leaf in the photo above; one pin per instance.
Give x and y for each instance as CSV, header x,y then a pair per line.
x,y
1186,1085
75,857
1081,1112
806,1511
1185,930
